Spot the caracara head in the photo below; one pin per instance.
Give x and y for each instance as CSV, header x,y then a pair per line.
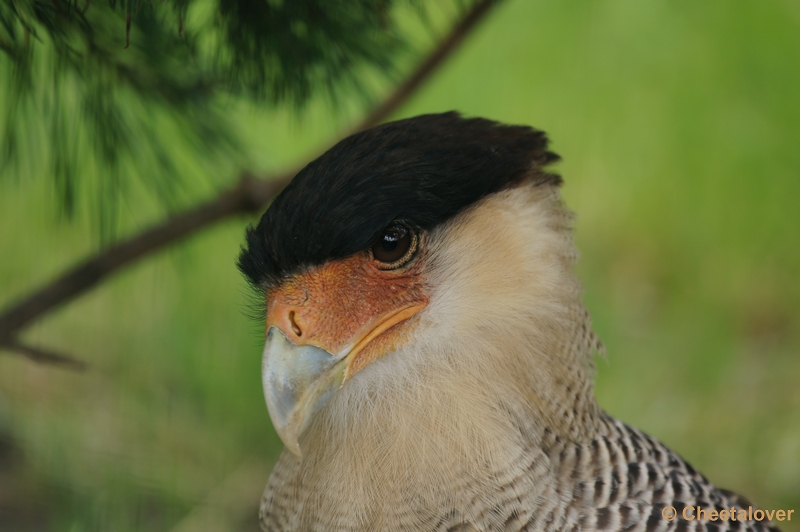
x,y
420,264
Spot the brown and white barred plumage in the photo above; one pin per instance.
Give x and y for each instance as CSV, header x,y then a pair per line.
x,y
487,419
621,480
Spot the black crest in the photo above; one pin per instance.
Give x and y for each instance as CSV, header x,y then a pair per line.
x,y
422,170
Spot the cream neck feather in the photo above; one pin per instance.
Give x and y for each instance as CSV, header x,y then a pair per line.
x,y
504,339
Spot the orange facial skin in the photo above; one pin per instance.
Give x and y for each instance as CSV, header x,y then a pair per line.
x,y
349,304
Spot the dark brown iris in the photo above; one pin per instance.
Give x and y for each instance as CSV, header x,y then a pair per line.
x,y
395,247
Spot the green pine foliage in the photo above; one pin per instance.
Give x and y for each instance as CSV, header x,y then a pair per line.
x,y
99,95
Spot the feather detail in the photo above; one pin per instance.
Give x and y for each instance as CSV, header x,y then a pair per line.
x,y
485,419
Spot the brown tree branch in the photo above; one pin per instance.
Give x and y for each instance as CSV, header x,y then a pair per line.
x,y
249,195
42,356
433,61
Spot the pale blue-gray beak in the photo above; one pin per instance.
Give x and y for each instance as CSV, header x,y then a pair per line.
x,y
298,381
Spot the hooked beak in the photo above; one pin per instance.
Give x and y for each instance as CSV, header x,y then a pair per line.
x,y
298,381
324,326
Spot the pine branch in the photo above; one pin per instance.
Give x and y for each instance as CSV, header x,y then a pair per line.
x,y
249,195
43,356
429,65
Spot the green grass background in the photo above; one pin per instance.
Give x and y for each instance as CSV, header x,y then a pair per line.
x,y
679,125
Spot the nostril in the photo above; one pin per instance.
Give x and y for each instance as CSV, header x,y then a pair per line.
x,y
295,327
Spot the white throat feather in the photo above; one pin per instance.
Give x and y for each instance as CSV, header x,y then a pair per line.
x,y
505,338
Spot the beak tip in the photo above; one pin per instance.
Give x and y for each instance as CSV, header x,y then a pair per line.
x,y
288,434
294,448
298,382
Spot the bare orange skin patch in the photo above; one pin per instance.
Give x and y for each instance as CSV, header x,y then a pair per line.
x,y
349,304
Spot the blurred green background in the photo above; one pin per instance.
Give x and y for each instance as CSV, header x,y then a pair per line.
x,y
679,126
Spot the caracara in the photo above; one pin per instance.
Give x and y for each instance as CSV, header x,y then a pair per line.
x,y
428,361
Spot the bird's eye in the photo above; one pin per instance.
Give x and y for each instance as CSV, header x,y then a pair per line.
x,y
395,247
